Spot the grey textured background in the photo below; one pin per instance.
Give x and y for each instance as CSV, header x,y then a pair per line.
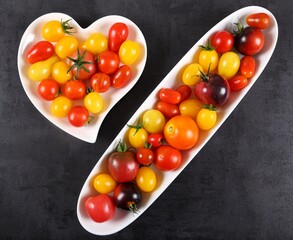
x,y
240,186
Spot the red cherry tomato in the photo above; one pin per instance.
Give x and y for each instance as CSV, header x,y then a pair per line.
x,y
100,82
78,116
185,92
258,20
48,89
237,82
117,34
100,208
167,158
169,110
169,95
74,89
155,139
121,76
247,66
108,62
40,51
222,41
145,156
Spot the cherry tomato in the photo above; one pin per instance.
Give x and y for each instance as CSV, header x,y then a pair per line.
x,y
74,89
238,82
185,92
249,40
93,102
258,20
96,43
154,121
61,106
66,46
247,66
122,76
82,64
156,139
54,30
145,156
167,158
104,183
206,118
78,116
137,137
222,41
108,62
48,89
146,179
169,110
208,58
129,52
122,165
117,34
169,95
191,74
41,51
228,65
100,82
190,107
100,208
181,132
60,72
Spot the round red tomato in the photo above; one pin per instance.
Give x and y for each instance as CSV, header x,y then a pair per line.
x,y
181,132
78,116
121,76
100,82
108,62
117,34
100,208
48,89
155,139
74,89
145,156
167,158
222,41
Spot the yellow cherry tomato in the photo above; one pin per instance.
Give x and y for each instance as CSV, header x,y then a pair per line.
x,y
42,70
206,118
208,59
66,46
94,102
104,183
137,137
146,179
54,30
129,52
59,72
191,74
96,43
61,106
190,107
228,65
153,121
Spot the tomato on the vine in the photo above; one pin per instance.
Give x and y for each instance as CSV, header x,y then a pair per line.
x,y
222,41
78,116
48,89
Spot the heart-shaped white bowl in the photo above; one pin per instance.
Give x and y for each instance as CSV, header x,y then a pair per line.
x,y
32,35
172,80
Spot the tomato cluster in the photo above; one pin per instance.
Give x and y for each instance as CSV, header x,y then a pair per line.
x,y
174,124
74,75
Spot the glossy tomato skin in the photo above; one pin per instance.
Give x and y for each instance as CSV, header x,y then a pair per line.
x,y
117,34
122,76
48,89
123,166
169,95
250,41
167,158
238,82
185,92
156,139
108,62
215,91
222,41
169,110
41,51
181,132
74,89
258,20
127,196
146,179
247,66
100,208
145,156
100,82
78,116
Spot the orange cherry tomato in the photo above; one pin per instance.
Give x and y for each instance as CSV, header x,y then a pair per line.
x,y
247,66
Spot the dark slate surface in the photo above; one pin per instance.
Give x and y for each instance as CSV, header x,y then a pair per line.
x,y
240,186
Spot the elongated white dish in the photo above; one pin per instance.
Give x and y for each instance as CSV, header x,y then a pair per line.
x,y
33,34
173,79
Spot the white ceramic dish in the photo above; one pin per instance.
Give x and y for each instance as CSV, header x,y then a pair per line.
x,y
122,219
33,34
